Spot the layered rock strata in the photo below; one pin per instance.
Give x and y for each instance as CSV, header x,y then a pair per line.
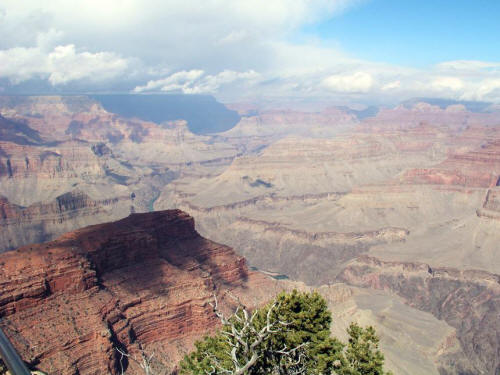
x,y
142,281
467,300
43,221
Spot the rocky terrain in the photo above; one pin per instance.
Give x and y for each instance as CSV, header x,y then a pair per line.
x,y
51,146
373,200
58,148
144,283
413,184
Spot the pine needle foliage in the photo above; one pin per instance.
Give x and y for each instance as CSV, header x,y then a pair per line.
x,y
296,339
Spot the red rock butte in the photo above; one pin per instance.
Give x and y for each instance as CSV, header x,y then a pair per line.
x,y
141,281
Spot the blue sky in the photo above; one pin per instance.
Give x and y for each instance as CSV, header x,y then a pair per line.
x,y
414,33
335,50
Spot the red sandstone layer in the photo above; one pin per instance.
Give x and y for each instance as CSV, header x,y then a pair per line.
x,y
144,280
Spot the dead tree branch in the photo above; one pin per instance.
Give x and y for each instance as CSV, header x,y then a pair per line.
x,y
244,339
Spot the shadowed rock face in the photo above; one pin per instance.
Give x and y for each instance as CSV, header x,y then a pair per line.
x,y
469,301
18,132
144,280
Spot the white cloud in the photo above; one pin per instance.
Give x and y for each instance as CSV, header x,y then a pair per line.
x,y
447,83
60,65
391,85
166,35
358,82
168,31
486,90
489,87
235,36
232,48
196,81
176,81
468,65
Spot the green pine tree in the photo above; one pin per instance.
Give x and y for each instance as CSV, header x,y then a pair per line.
x,y
298,342
362,353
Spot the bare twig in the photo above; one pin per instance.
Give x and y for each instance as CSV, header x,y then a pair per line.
x,y
244,340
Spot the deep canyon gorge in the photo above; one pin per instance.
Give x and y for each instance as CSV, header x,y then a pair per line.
x,y
117,230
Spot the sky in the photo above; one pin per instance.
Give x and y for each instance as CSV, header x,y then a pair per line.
x,y
370,51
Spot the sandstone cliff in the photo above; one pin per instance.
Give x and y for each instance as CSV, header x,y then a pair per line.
x,y
144,280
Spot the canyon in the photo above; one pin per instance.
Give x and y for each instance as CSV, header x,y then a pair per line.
x,y
393,215
145,283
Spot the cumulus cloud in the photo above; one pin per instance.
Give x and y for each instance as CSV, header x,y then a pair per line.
x,y
172,32
485,90
60,65
489,88
358,82
196,81
168,35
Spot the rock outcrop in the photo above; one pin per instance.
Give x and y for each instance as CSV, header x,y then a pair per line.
x,y
142,281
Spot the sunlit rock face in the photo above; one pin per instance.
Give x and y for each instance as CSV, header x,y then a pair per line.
x,y
145,282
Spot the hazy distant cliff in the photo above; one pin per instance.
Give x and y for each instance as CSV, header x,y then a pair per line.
x,y
203,113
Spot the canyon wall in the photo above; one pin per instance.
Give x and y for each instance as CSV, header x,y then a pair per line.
x,y
468,300
143,281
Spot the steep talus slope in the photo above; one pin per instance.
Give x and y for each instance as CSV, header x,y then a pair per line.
x,y
467,300
144,280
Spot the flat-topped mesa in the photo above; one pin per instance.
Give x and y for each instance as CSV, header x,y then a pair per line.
x,y
145,279
453,117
